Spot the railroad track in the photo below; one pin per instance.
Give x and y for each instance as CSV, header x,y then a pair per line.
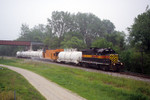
x,y
130,75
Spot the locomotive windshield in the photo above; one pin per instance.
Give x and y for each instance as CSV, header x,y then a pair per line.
x,y
108,51
99,51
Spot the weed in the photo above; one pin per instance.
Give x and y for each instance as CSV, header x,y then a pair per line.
x,y
11,81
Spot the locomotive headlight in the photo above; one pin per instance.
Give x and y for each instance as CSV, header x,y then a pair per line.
x,y
114,64
121,63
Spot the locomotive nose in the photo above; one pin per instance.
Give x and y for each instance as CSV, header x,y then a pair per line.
x,y
113,58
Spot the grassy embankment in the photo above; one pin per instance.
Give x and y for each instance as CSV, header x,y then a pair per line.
x,y
90,85
11,82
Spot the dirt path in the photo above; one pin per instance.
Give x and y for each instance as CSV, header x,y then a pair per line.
x,y
48,89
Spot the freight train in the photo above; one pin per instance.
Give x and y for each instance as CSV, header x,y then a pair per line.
x,y
101,58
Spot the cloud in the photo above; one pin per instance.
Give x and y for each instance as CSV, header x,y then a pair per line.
x,y
33,12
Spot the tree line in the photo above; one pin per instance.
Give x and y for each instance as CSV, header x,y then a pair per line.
x,y
84,30
64,29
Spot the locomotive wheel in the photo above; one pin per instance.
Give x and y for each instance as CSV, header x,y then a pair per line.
x,y
84,65
105,68
98,67
115,69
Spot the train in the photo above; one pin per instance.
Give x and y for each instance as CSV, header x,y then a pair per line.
x,y
100,58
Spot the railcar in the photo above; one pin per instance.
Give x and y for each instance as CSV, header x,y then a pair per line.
x,y
52,54
70,56
30,54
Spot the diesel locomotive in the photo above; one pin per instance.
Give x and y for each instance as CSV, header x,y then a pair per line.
x,y
102,58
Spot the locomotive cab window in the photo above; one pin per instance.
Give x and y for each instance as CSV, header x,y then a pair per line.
x,y
108,51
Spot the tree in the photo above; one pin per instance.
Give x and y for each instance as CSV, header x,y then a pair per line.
x,y
102,43
140,30
48,37
24,29
117,38
108,26
69,35
89,26
34,34
60,23
73,40
7,50
38,33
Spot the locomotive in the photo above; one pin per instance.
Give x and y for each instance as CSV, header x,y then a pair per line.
x,y
100,58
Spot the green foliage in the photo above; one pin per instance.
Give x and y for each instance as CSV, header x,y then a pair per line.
x,y
102,43
108,26
60,23
52,42
89,25
64,23
133,61
139,41
6,50
34,34
90,85
117,38
140,31
11,81
69,35
73,40
146,63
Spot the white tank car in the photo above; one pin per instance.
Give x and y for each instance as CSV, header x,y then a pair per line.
x,y
18,54
30,54
70,56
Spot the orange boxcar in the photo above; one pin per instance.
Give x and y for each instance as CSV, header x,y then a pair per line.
x,y
52,54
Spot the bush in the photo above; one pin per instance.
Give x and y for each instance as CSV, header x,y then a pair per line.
x,y
133,61
102,43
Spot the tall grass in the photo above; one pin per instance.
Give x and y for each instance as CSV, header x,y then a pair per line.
x,y
11,82
7,95
90,85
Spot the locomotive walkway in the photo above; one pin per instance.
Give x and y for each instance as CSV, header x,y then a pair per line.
x,y
48,89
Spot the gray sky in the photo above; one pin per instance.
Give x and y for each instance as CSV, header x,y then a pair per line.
x,y
13,13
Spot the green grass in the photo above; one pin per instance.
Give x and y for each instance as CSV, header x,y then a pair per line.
x,y
90,85
11,81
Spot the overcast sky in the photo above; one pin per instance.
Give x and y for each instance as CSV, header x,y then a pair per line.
x,y
13,13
